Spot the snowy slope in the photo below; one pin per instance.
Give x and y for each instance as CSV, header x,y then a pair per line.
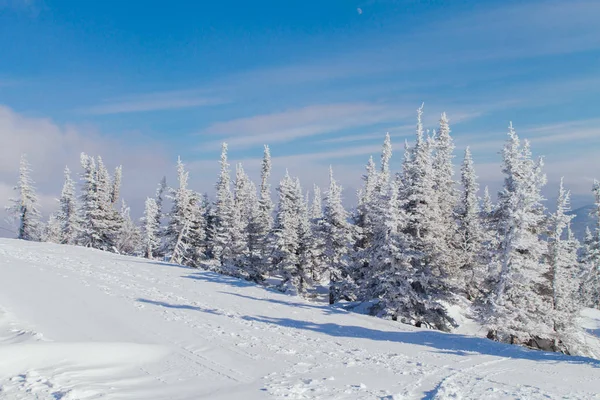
x,y
77,323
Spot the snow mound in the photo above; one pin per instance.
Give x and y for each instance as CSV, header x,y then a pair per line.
x,y
82,324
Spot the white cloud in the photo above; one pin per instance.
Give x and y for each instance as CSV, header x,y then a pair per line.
x,y
49,147
299,123
169,100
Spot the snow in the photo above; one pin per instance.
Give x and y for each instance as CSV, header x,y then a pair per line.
x,y
78,323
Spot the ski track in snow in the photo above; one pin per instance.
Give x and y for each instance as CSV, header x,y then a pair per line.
x,y
82,324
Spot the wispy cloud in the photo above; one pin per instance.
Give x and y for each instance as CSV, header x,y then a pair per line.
x,y
301,122
169,100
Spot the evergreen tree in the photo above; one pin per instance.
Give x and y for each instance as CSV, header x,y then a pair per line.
x,y
263,221
129,237
88,234
285,235
161,192
471,234
562,259
427,241
25,206
590,258
337,235
197,245
443,250
116,185
363,222
176,236
224,214
52,232
315,265
67,214
150,239
518,306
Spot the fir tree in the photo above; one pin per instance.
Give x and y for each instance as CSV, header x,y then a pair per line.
x,y
25,206
337,235
116,185
176,236
224,214
590,258
471,234
285,235
264,220
518,305
67,214
562,259
129,237
150,239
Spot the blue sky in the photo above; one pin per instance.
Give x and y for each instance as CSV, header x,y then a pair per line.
x,y
320,81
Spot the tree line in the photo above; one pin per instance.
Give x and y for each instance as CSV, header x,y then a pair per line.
x,y
419,240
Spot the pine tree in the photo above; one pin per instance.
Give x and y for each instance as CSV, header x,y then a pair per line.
x,y
150,239
67,214
128,237
471,234
197,245
176,236
316,266
52,232
285,235
443,248
116,185
224,214
88,234
108,221
338,237
391,272
363,222
590,258
519,303
25,206
562,259
264,220
427,239
161,192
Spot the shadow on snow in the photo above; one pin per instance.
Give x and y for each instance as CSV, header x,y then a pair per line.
x,y
446,343
179,306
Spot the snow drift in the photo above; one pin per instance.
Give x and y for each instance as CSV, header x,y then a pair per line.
x,y
77,323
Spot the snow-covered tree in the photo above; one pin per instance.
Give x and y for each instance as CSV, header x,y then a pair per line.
x,y
129,237
176,235
161,192
363,222
564,269
471,234
315,265
264,220
443,248
519,304
25,208
197,244
67,214
52,231
590,258
223,213
285,236
337,234
150,238
425,227
116,185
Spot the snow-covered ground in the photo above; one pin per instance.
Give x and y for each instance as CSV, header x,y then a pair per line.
x,y
77,323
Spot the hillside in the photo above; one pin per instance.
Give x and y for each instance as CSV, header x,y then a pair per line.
x,y
77,323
